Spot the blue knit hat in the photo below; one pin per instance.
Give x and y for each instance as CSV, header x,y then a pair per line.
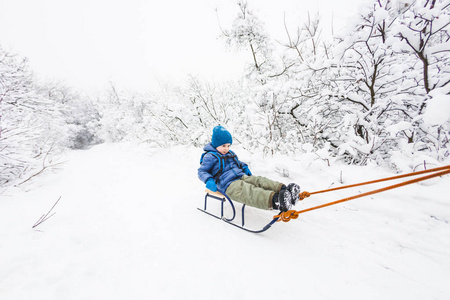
x,y
221,136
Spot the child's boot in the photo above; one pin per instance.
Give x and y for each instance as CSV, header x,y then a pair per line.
x,y
294,189
282,200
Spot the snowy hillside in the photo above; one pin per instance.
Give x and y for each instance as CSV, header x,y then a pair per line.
x,y
127,227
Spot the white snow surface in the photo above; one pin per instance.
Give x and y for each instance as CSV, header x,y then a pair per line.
x,y
438,110
127,227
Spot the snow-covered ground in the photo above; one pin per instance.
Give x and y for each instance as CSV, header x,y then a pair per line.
x,y
127,227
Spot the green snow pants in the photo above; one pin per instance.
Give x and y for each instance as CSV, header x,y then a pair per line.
x,y
256,191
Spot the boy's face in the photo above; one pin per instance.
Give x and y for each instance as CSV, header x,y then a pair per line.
x,y
223,149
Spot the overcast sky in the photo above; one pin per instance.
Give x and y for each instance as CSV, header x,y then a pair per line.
x,y
138,43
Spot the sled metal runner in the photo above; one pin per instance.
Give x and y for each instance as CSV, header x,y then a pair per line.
x,y
224,198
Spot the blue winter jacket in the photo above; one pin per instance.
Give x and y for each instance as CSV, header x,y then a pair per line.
x,y
232,169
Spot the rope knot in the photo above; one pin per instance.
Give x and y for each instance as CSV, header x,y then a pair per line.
x,y
304,195
287,215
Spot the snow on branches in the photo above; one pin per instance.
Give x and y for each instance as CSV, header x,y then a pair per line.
x,y
376,93
37,121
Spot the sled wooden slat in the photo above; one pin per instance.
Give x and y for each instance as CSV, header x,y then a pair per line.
x,y
218,194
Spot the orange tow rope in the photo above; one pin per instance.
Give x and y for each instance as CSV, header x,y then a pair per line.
x,y
293,214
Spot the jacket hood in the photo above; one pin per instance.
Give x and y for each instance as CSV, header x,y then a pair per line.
x,y
209,147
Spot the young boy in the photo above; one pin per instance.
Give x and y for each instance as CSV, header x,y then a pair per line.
x,y
222,171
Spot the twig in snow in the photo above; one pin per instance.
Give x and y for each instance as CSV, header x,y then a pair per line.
x,y
46,216
39,172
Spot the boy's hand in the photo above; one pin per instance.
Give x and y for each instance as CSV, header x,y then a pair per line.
x,y
246,171
211,185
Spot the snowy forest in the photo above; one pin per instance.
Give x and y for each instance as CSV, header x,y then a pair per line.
x,y
378,93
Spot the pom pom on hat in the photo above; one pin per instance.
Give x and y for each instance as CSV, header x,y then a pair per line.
x,y
221,136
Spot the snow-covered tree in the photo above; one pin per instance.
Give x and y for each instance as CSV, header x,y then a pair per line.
x,y
381,84
247,32
27,119
79,116
361,97
423,28
367,77
309,114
